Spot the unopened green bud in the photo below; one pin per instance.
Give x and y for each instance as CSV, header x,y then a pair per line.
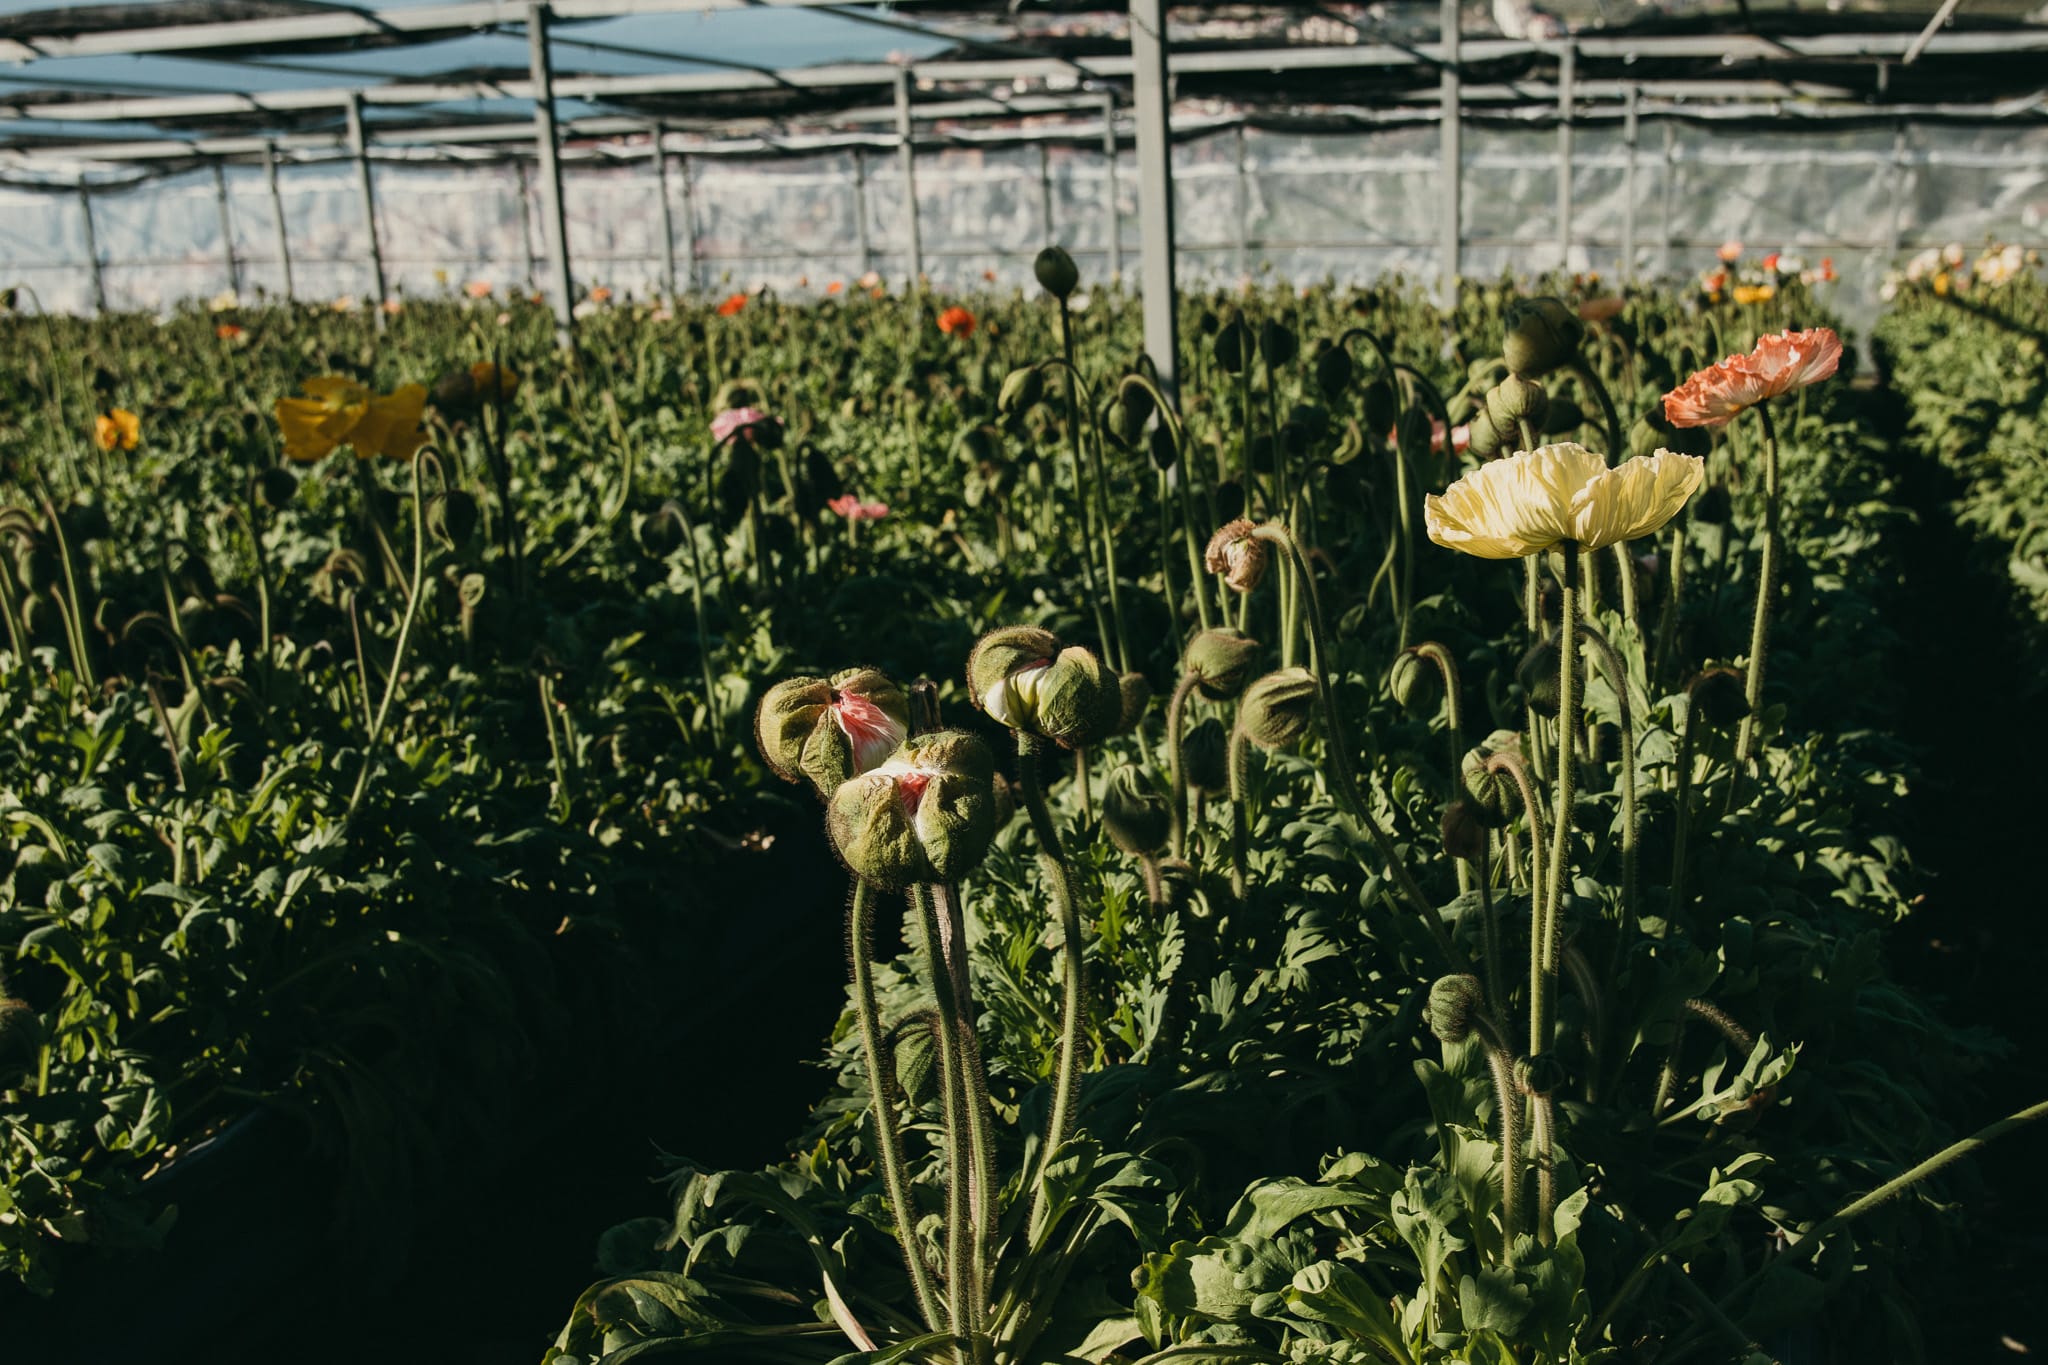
x,y
276,487
1454,1006
1022,389
1413,679
1464,831
925,814
1023,679
1205,757
1221,660
1542,335
1133,815
1276,709
1719,694
1495,796
1484,439
1653,433
451,516
1514,402
1335,370
828,730
1543,1074
1564,415
1233,347
1381,407
1056,272
1277,342
1165,450
1135,694
1537,673
1135,396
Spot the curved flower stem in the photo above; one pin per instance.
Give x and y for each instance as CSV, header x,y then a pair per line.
x,y
882,1104
1176,708
1059,877
1549,929
1766,587
1590,377
1532,612
414,593
962,1231
1340,748
1631,817
1507,1098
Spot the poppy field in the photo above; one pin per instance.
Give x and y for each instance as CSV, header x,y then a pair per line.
x,y
1404,845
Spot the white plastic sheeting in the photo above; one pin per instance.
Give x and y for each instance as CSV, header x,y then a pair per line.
x,y
1308,207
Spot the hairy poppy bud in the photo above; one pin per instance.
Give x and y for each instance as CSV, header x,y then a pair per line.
x,y
1133,815
1134,694
1653,432
1381,407
1412,679
1306,424
1057,274
1022,388
1275,710
1454,1005
1495,797
1233,347
1464,830
1023,678
1165,450
1513,402
830,729
1564,415
1719,695
1117,425
1483,438
927,813
1335,370
1543,1074
1713,506
1230,499
1537,673
275,487
1277,342
1238,555
1222,661
451,516
1136,399
1205,757
1542,335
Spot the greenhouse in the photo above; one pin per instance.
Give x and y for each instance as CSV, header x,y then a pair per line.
x,y
1032,684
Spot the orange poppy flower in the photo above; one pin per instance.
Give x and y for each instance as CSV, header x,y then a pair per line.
x,y
117,429
229,331
1778,365
732,305
835,286
957,322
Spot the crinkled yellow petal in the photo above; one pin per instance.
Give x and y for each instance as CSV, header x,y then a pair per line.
x,y
335,391
1634,498
312,429
391,426
1513,507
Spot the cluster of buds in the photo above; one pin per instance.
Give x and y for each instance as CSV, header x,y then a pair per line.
x,y
927,813
828,730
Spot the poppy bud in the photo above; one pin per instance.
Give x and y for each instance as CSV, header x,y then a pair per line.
x,y
1208,322
1277,342
1542,335
275,487
1134,694
1464,831
658,533
1057,274
1454,1005
1513,402
1335,370
1205,757
1022,388
1713,506
1412,680
1116,423
925,814
738,393
978,444
830,729
451,516
1233,347
1564,415
1023,679
1230,499
1537,673
1495,796
1275,710
1543,1074
1380,406
1484,439
1136,399
1306,425
1238,555
1133,815
1165,450
1719,695
1221,660
1652,433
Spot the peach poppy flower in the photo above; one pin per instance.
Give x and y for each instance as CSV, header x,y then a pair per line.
x,y
732,305
1779,364
871,280
1730,252
853,509
601,294
478,289
117,429
957,322
835,286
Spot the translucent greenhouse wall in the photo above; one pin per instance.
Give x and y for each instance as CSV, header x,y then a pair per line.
x,y
1306,207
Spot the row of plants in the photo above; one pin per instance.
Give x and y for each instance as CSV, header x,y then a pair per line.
x,y
1400,954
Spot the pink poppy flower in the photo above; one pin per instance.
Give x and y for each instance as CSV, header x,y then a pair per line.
x,y
1730,252
853,509
873,732
1791,360
735,421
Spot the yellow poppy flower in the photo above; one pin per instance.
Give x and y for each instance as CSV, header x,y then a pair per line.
x,y
117,429
1536,499
1755,293
338,411
391,427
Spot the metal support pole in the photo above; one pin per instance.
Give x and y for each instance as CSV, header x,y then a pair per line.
x,y
689,182
1152,104
284,241
555,227
92,250
227,228
1451,167
1045,228
667,218
523,191
1670,192
860,210
1629,133
1244,211
1116,211
1898,223
359,148
906,151
1567,72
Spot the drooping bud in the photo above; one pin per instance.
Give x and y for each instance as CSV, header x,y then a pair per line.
x,y
1165,450
1135,694
276,487
1495,796
1543,1074
1381,406
1238,555
1412,679
1537,673
1205,757
1713,507
1542,335
925,814
1653,432
451,516
1136,399
1134,816
1233,347
1335,370
1276,709
1464,830
1515,401
1230,499
1023,679
1057,274
1221,660
1277,342
828,730
1564,416
1483,438
1022,388
1454,1005
1719,695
